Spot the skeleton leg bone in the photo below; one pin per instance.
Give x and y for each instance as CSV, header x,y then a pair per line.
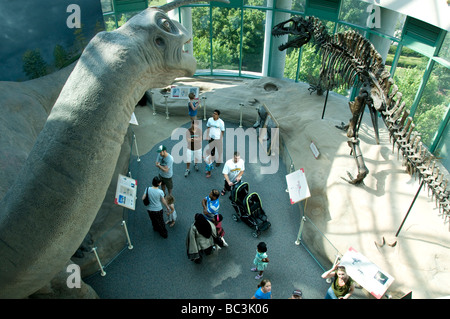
x,y
362,169
356,107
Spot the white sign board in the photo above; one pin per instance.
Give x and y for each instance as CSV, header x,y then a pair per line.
x,y
126,192
314,149
366,273
182,92
297,186
133,119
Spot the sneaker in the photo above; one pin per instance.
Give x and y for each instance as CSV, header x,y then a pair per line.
x,y
254,269
186,173
258,277
196,167
224,242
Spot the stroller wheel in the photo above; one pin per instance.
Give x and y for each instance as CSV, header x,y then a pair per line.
x,y
235,217
256,233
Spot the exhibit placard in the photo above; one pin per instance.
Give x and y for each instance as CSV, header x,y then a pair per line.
x,y
297,186
126,192
133,119
182,92
366,273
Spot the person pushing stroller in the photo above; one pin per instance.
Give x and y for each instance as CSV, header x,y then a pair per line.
x,y
232,172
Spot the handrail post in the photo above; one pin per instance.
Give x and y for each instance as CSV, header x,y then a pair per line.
x,y
240,116
153,103
124,224
167,107
204,107
135,144
103,273
300,231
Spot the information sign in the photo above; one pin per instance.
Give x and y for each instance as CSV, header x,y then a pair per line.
x,y
126,192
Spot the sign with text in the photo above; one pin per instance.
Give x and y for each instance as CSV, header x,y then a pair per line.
x,y
126,192
366,273
297,186
182,92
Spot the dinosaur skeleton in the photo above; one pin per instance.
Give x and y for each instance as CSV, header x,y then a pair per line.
x,y
349,59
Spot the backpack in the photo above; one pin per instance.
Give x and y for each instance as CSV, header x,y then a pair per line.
x,y
146,200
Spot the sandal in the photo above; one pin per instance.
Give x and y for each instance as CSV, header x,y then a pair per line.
x,y
223,192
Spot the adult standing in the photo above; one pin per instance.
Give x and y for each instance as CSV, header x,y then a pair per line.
x,y
232,172
342,286
193,106
164,162
214,132
200,238
194,147
155,206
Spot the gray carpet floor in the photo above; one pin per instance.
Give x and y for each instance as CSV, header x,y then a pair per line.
x,y
158,268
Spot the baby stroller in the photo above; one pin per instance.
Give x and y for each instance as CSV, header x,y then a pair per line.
x,y
248,208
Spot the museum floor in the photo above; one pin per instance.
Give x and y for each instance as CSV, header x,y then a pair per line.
x,y
348,215
159,268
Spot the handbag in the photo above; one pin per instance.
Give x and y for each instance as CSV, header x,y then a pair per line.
x,y
146,200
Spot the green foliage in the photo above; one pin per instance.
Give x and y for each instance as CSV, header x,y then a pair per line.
x,y
408,81
427,122
34,65
60,56
432,105
226,30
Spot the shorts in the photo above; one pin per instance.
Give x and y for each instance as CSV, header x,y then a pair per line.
x,y
166,181
193,155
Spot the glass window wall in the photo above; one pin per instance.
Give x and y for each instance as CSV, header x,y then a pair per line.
x,y
443,147
445,50
433,104
226,35
253,40
299,5
409,73
354,12
232,39
201,38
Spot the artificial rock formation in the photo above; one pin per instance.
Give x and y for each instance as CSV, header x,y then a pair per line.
x,y
50,206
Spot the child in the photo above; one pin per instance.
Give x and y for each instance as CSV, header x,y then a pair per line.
x,y
209,160
261,259
264,290
172,214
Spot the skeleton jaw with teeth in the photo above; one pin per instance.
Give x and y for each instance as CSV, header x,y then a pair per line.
x,y
300,30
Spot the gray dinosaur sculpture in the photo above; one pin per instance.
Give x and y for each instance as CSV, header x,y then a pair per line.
x,y
48,210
